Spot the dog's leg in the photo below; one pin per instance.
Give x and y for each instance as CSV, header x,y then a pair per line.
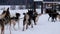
x,y
2,27
18,25
31,24
52,20
2,30
23,25
58,17
14,26
55,18
48,18
34,22
10,27
26,26
36,19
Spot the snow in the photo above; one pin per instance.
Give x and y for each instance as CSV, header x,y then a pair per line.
x,y
43,25
38,0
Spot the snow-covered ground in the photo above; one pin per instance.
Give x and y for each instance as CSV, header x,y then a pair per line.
x,y
43,25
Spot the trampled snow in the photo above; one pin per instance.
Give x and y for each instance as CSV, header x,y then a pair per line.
x,y
43,25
